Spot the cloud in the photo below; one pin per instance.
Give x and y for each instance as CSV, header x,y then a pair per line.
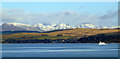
x,y
109,15
68,17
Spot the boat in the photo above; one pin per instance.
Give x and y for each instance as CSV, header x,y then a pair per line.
x,y
102,43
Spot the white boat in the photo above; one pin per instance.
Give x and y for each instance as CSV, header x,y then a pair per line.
x,y
102,43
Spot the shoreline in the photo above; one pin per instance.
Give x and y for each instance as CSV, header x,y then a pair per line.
x,y
52,43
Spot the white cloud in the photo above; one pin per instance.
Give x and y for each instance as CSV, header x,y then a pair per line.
x,y
68,17
110,14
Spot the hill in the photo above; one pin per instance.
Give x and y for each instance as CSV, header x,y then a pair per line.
x,y
64,36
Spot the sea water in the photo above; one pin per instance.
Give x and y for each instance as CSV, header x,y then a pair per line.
x,y
60,50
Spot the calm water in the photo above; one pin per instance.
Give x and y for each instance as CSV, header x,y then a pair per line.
x,y
59,50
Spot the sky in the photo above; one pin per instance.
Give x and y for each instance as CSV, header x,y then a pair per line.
x,y
73,13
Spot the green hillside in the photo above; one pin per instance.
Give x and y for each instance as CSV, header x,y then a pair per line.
x,y
79,35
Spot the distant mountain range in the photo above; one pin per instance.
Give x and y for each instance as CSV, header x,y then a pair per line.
x,y
42,28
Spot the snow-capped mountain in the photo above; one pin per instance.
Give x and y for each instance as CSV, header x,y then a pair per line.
x,y
115,27
11,27
63,26
24,26
40,27
44,27
88,25
53,26
18,27
18,24
36,27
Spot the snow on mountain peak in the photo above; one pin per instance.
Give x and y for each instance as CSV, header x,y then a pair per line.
x,y
115,27
18,24
41,27
63,26
24,26
86,25
53,24
38,25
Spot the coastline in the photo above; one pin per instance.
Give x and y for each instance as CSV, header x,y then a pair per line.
x,y
54,43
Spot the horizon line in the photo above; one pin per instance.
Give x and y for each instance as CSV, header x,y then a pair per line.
x,y
60,0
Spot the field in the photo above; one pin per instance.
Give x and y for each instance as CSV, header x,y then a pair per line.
x,y
70,35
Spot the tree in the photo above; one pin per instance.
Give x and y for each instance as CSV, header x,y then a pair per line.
x,y
59,35
44,35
